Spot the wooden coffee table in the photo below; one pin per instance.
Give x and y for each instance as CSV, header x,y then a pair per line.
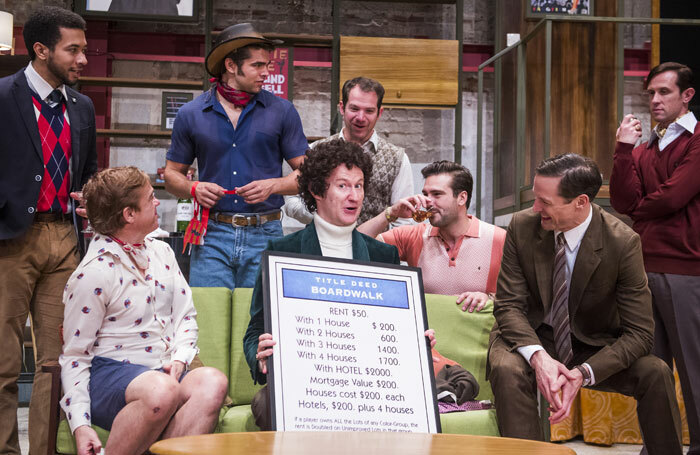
x,y
352,443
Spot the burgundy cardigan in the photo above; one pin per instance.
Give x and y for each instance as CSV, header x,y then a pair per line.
x,y
660,191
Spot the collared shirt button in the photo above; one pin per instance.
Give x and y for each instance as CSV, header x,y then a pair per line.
x,y
37,178
235,201
30,210
234,144
235,173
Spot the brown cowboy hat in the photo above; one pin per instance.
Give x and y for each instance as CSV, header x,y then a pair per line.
x,y
230,39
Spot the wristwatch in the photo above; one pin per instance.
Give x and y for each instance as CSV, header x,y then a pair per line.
x,y
585,373
389,217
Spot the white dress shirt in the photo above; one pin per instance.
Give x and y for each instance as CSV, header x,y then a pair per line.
x,y
114,311
675,129
40,86
573,243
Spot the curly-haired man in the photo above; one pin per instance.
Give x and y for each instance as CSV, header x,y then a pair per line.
x,y
331,183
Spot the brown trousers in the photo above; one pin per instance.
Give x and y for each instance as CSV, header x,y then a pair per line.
x,y
34,269
648,380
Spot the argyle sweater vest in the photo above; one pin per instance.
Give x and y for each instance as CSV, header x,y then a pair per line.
x,y
54,132
386,161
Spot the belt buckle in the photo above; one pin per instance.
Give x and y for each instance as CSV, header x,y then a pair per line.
x,y
239,220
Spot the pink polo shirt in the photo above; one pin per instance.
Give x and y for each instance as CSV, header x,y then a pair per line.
x,y
472,265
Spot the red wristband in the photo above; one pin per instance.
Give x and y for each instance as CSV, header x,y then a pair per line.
x,y
194,186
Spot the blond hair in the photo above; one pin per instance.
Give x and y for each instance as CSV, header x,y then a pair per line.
x,y
109,192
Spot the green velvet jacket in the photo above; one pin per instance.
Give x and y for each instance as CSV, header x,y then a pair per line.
x,y
364,248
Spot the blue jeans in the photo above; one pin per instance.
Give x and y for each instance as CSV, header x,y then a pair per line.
x,y
230,256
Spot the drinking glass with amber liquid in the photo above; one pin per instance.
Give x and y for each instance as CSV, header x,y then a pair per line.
x,y
421,215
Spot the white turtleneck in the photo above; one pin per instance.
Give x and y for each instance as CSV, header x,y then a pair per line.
x,y
336,241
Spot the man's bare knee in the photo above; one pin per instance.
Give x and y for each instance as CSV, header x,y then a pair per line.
x,y
209,384
158,392
218,385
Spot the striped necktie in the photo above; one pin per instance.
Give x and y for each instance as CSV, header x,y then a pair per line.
x,y
560,304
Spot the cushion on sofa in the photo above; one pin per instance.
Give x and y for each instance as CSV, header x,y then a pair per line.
x,y
479,423
462,336
240,382
213,307
65,442
237,419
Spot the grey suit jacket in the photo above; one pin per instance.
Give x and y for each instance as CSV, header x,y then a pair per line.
x,y
609,301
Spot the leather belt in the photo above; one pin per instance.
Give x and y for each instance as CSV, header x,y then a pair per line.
x,y
47,217
242,220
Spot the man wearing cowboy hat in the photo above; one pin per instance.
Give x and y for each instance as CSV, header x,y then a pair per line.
x,y
239,135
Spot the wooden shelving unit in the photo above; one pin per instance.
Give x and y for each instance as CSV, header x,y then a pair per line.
x,y
150,134
158,134
140,83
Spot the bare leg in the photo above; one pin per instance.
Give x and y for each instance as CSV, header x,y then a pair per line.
x,y
152,398
202,391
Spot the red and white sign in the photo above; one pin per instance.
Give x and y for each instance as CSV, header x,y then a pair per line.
x,y
276,82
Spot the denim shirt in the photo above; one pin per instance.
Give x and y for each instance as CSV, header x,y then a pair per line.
x,y
269,130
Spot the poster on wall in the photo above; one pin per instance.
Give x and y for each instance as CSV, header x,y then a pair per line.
x,y
535,8
171,104
168,10
351,352
276,82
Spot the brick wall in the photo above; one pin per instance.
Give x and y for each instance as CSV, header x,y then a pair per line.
x,y
426,135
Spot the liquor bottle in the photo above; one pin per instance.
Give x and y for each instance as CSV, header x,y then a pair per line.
x,y
185,210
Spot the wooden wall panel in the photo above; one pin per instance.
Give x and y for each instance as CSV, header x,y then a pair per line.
x,y
584,93
412,71
655,34
508,15
534,123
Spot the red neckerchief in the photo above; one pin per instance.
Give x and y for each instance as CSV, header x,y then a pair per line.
x,y
239,98
136,252
197,227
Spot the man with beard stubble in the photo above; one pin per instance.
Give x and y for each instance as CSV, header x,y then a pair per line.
x,y
47,148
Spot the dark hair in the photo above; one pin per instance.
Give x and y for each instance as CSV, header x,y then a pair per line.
x,y
461,177
43,26
109,192
684,75
240,55
579,175
366,85
322,160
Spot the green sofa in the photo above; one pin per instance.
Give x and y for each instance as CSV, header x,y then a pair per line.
x,y
223,317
